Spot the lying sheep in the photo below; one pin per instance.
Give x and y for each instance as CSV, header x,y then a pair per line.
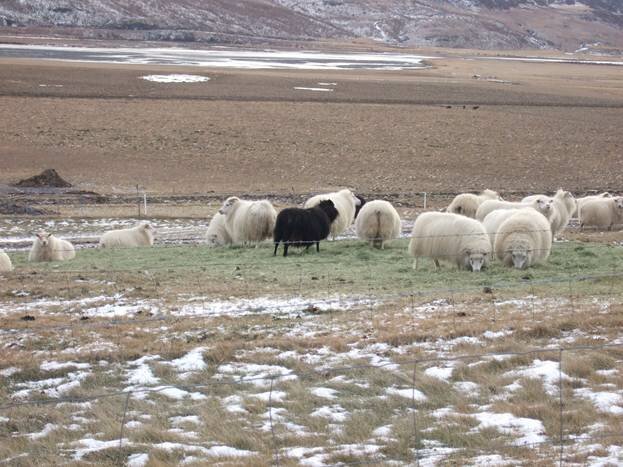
x,y
494,219
47,247
581,201
304,227
5,262
377,223
346,204
543,205
563,207
141,235
602,213
451,237
248,221
467,204
524,239
217,234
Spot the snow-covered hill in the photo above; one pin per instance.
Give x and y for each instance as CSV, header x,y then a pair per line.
x,y
481,24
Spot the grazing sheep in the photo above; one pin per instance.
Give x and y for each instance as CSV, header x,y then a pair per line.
x,y
47,247
544,206
467,204
563,207
141,235
346,204
494,219
451,237
581,201
217,234
602,213
524,239
377,223
304,227
248,221
5,262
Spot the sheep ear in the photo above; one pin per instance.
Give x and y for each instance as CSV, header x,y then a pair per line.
x,y
38,235
49,235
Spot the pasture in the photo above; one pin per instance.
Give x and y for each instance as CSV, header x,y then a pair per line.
x,y
190,354
184,354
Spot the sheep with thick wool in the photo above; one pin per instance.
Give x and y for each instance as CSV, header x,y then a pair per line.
x,y
378,222
543,205
585,199
5,262
563,206
217,234
602,213
346,204
524,239
467,204
248,222
47,247
494,219
303,227
451,237
141,235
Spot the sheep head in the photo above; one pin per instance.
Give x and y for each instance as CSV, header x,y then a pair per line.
x,y
544,206
475,260
43,238
228,205
520,258
329,209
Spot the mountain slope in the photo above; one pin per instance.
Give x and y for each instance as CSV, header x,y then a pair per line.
x,y
481,24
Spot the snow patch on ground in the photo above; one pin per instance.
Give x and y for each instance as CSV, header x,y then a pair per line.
x,y
608,402
407,393
529,430
176,78
546,370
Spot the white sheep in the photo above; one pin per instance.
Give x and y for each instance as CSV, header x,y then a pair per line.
x,y
524,239
248,221
494,219
603,213
378,222
47,247
543,205
451,237
346,204
217,234
5,262
581,201
467,204
141,235
563,207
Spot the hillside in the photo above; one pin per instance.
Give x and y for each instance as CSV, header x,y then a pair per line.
x,y
481,24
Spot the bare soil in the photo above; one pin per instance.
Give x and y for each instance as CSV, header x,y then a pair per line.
x,y
437,130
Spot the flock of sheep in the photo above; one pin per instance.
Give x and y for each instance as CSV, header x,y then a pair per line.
x,y
472,230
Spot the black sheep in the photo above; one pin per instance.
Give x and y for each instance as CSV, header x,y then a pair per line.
x,y
304,227
362,201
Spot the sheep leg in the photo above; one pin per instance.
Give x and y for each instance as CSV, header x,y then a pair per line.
x,y
382,245
285,249
437,267
415,264
317,247
276,246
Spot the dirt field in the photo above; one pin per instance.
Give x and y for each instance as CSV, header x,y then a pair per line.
x,y
106,129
